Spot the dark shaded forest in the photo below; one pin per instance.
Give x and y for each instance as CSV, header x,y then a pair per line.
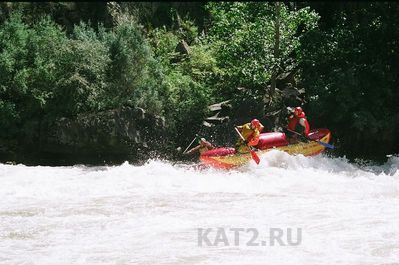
x,y
105,82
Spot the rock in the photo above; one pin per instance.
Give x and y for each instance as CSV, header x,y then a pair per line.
x,y
207,124
160,121
183,48
220,113
140,113
291,92
220,105
119,132
217,120
287,77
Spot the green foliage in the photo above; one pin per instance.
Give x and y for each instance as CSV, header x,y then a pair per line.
x,y
13,54
202,64
186,30
349,71
83,60
188,101
9,117
130,58
186,78
243,33
44,46
348,66
45,74
163,43
27,68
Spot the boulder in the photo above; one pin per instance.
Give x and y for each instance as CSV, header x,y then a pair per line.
x,y
183,48
124,132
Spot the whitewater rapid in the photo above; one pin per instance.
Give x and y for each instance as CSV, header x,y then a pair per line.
x,y
151,214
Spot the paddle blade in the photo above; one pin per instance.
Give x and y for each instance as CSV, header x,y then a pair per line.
x,y
326,144
255,157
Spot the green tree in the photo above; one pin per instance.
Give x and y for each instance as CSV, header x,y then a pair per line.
x,y
350,74
83,60
244,35
132,74
187,78
28,70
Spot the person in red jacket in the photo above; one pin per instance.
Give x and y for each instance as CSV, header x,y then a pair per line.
x,y
297,122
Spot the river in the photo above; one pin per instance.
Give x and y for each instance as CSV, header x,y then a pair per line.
x,y
163,213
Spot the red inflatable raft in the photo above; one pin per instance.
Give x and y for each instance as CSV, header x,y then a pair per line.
x,y
227,157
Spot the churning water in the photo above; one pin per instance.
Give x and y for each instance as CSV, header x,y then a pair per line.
x,y
339,213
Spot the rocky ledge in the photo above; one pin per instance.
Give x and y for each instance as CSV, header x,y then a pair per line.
x,y
111,136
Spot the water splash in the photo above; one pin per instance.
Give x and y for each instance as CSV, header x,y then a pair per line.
x,y
149,214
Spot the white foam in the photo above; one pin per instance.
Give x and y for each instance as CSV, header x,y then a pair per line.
x,y
150,214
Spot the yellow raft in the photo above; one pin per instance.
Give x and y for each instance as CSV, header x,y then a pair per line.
x,y
228,158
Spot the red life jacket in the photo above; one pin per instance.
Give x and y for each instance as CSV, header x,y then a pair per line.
x,y
299,124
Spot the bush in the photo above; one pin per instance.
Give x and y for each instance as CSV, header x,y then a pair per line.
x,y
45,74
188,101
186,78
351,78
28,67
83,61
243,34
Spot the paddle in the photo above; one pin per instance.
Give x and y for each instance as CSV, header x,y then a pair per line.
x,y
196,136
255,157
317,141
